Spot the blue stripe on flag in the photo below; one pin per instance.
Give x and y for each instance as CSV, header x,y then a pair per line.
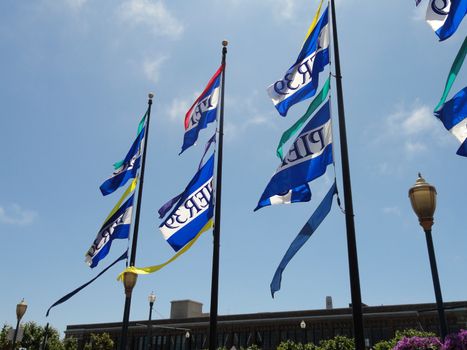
x,y
462,151
116,227
301,193
301,163
128,170
203,113
305,233
456,14
193,210
110,185
453,111
302,78
309,90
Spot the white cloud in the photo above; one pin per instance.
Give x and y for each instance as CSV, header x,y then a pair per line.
x,y
419,120
15,215
178,109
286,9
152,68
415,147
153,14
412,128
392,210
76,4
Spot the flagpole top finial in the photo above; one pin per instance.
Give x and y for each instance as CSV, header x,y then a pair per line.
x,y
225,43
150,95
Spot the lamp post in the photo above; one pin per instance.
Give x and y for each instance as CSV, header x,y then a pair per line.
x,y
20,311
187,340
423,199
129,282
151,299
303,327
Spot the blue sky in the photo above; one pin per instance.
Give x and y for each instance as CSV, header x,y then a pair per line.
x,y
74,81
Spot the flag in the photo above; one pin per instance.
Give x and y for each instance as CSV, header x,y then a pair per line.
x,y
194,210
310,227
301,80
453,114
307,158
203,111
127,170
116,226
319,99
140,127
300,193
166,207
445,16
80,288
455,68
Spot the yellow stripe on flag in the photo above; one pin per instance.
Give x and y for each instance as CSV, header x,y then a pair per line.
x,y
151,269
315,20
130,189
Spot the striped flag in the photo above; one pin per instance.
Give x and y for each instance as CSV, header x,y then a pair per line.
x,y
453,115
116,226
307,158
301,79
128,168
194,210
203,111
445,16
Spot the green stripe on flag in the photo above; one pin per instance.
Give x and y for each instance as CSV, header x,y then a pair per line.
x,y
140,127
299,123
456,67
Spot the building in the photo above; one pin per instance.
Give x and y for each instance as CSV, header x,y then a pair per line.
x,y
188,327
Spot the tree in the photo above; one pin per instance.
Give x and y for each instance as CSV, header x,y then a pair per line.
x,y
101,341
70,343
32,336
5,344
53,340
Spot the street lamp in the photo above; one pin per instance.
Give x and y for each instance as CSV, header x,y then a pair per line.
x,y
151,299
187,340
20,311
129,282
303,327
423,199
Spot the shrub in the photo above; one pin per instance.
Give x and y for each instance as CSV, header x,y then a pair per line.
x,y
339,342
291,345
418,343
390,344
456,341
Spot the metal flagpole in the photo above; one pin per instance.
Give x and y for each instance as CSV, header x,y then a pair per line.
x,y
217,215
349,215
126,312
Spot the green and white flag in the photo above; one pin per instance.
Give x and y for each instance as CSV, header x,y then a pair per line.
x,y
319,99
455,68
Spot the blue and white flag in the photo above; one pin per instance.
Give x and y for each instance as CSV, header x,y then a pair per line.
x,y
128,168
115,227
308,157
203,111
301,193
193,212
445,16
453,114
301,80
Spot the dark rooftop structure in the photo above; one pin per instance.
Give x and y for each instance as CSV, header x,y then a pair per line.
x,y
188,327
